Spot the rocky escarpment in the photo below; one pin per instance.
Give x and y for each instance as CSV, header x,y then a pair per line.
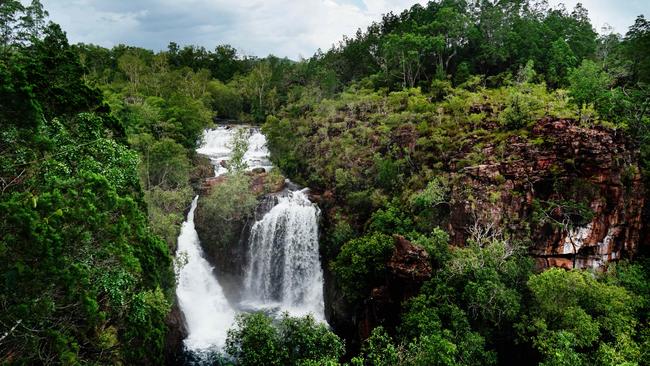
x,y
576,192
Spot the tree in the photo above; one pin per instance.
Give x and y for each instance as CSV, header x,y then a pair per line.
x,y
561,60
224,63
134,68
283,143
580,36
72,306
9,17
405,55
379,349
589,84
238,145
256,86
637,44
225,100
450,28
166,164
257,340
361,263
608,45
32,22
572,314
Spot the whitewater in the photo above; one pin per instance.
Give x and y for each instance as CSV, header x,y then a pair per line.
x,y
283,273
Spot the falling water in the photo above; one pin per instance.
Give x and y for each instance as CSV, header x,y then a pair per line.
x,y
217,146
208,314
284,270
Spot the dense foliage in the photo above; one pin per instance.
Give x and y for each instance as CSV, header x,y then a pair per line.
x,y
97,164
422,96
84,279
257,339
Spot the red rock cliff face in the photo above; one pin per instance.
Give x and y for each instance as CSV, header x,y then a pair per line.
x,y
536,186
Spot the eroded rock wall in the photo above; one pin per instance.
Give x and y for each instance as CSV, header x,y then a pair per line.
x,y
576,192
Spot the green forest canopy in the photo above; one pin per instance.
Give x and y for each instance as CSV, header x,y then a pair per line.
x,y
97,162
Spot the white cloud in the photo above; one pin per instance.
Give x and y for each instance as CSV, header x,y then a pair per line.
x,y
618,14
289,28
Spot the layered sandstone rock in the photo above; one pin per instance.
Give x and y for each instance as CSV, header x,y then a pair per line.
x,y
534,187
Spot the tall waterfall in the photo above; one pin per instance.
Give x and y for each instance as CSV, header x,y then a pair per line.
x,y
208,314
284,268
284,271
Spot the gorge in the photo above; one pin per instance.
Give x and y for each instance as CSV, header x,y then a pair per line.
x,y
477,176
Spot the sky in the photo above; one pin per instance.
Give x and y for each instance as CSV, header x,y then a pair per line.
x,y
285,28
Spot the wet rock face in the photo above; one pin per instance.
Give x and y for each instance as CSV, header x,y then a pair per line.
x,y
175,334
225,248
575,192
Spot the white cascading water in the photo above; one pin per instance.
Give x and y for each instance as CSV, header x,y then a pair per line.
x,y
217,147
284,270
208,315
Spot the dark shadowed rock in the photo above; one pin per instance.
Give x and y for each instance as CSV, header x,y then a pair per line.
x,y
408,268
176,333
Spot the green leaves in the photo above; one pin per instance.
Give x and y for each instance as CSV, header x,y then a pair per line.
x,y
406,53
589,84
361,263
98,257
239,146
572,312
257,339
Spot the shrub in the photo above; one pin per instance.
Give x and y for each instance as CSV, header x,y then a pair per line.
x,y
226,208
361,263
257,340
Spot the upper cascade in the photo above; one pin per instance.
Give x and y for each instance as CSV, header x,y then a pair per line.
x,y
217,145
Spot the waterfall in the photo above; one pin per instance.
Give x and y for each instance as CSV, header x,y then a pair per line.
x,y
284,270
217,147
208,314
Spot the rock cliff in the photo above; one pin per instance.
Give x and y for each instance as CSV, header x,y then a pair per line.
x,y
226,244
576,192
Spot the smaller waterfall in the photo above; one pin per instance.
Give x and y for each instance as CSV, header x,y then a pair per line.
x,y
207,312
217,146
284,268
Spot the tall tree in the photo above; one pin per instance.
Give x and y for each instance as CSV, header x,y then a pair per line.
x,y
9,17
